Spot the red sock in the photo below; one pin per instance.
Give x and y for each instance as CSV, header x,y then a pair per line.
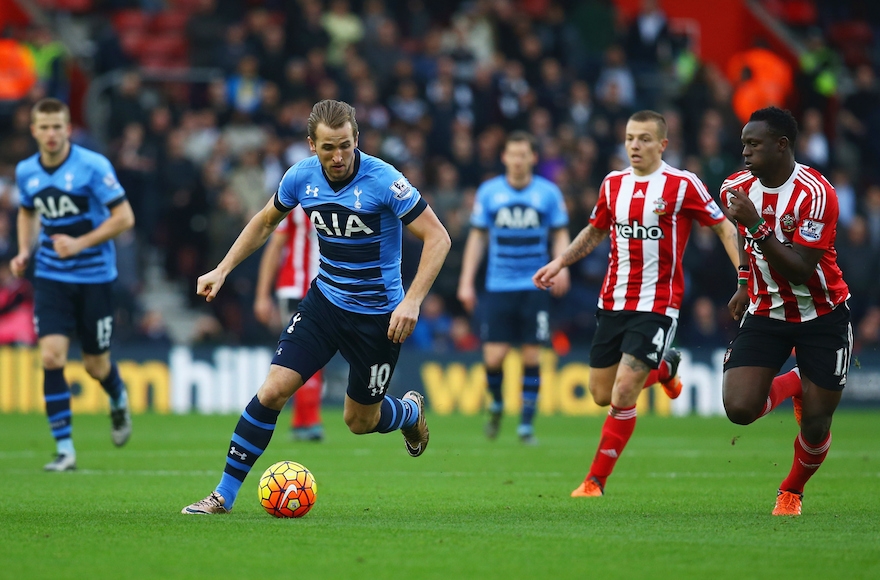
x,y
616,431
661,373
307,402
783,387
807,460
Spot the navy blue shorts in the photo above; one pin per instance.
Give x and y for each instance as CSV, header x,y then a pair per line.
x,y
518,317
85,310
319,329
644,335
823,346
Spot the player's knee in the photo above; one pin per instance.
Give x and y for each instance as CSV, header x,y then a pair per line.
x,y
739,414
359,425
97,369
53,360
601,398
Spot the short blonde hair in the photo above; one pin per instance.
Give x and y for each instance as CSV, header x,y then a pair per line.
x,y
49,105
648,115
334,114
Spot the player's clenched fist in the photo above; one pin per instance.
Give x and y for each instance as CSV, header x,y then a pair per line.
x,y
209,284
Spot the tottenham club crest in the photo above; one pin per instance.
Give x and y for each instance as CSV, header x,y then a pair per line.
x,y
787,223
660,206
357,197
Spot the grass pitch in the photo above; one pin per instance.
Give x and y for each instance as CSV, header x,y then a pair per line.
x,y
690,498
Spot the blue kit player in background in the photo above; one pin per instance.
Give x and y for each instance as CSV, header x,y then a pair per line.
x,y
81,208
356,305
519,216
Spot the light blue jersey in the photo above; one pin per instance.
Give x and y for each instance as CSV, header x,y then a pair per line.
x,y
359,227
519,222
73,198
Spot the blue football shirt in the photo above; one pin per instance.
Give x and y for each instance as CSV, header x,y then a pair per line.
x,y
519,222
359,227
73,198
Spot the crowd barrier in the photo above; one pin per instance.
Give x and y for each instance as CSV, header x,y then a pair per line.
x,y
223,379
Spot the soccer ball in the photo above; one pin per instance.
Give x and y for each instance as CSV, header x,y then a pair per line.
x,y
287,490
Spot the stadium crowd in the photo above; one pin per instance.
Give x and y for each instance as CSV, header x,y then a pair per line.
x,y
437,86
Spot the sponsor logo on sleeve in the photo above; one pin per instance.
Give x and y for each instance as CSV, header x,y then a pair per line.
x,y
402,189
811,230
109,181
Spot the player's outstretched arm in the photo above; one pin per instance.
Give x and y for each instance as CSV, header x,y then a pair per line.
x,y
27,226
435,246
562,282
474,249
729,237
254,235
585,242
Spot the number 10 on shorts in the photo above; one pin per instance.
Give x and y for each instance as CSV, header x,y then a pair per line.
x,y
379,375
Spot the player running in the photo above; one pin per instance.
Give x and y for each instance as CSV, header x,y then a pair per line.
x,y
649,209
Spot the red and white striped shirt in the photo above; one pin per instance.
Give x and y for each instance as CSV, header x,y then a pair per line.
x,y
299,260
801,211
651,217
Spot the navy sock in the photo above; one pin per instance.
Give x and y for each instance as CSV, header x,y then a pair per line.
x,y
531,386
396,414
112,383
494,379
56,393
250,439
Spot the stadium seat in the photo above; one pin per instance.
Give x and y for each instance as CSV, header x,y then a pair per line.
x,y
128,20
170,21
166,45
132,42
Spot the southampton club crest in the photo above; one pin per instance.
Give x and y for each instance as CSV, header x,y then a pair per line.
x,y
660,206
787,223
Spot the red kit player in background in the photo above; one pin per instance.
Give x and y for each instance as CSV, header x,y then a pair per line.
x,y
649,209
290,260
791,296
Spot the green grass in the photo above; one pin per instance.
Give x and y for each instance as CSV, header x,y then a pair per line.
x,y
690,498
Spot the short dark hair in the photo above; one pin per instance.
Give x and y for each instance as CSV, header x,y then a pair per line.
x,y
780,123
49,105
334,114
647,115
522,136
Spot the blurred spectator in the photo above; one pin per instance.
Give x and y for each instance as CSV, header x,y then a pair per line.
x,y
127,104
867,332
761,78
344,28
248,181
244,88
432,333
846,196
703,334
16,308
648,48
820,72
812,147
205,32
305,30
50,62
860,264
616,72
18,72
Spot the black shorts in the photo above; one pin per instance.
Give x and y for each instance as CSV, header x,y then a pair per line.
x,y
320,329
518,317
823,346
85,310
644,335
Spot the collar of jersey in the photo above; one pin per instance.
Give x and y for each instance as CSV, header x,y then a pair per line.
x,y
338,186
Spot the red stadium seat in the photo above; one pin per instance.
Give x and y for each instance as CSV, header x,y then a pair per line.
x,y
168,46
128,20
132,42
170,21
